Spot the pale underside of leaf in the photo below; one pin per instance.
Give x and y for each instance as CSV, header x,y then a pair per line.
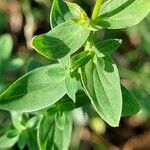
x,y
102,84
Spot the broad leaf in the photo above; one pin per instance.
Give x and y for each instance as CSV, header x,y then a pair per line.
x,y
63,39
102,84
55,132
62,11
107,47
116,14
37,89
130,105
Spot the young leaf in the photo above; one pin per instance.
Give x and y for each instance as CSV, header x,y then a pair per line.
x,y
63,39
37,89
33,122
59,13
6,45
55,132
32,140
101,81
45,133
116,14
107,47
13,133
64,11
6,142
71,87
130,105
22,141
16,119
80,60
63,129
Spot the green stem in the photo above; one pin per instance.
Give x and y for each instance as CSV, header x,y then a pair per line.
x,y
97,8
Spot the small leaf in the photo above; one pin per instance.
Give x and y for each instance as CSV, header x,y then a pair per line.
x,y
80,60
6,142
64,132
16,119
66,104
116,14
62,11
32,140
130,104
55,132
71,87
101,82
107,47
22,141
64,39
33,122
6,45
37,89
13,133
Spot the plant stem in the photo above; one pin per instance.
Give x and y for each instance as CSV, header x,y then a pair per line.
x,y
97,8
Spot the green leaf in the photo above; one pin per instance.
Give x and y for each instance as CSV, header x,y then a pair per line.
x,y
130,105
6,45
32,140
66,104
64,11
64,39
22,141
101,82
63,129
71,87
46,133
16,119
13,133
107,47
6,142
55,132
116,14
33,122
80,60
37,89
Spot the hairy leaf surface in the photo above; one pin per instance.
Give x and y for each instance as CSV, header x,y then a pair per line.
x,y
37,89
102,84
116,14
63,39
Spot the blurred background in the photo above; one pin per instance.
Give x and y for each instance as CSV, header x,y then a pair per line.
x,y
20,20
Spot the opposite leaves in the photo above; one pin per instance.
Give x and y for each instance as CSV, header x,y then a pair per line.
x,y
102,84
37,89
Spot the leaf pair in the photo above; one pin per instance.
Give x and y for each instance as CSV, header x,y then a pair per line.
x,y
55,132
101,82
